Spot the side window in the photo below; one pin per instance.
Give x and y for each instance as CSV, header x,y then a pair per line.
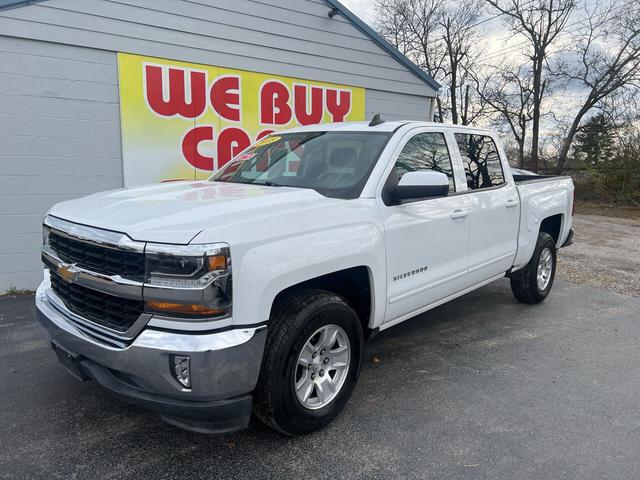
x,y
481,160
426,151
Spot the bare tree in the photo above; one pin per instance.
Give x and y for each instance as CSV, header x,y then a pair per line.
x,y
539,22
608,52
472,98
508,91
391,23
412,26
439,37
460,40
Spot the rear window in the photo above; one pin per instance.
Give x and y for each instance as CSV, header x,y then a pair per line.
x,y
481,160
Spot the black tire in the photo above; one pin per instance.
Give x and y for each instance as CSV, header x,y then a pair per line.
x,y
524,282
294,320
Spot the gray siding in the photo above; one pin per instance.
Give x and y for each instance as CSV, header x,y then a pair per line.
x,y
59,110
288,37
396,106
59,139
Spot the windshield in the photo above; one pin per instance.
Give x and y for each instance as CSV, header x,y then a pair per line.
x,y
335,164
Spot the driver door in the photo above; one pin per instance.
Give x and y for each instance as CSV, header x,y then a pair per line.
x,y
426,239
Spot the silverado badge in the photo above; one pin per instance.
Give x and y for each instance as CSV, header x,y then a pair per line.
x,y
409,274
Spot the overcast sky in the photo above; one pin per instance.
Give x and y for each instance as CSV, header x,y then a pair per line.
x,y
362,8
498,43
494,32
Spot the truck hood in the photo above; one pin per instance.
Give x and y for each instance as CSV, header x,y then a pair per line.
x,y
176,212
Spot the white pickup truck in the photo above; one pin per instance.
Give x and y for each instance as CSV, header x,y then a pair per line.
x,y
255,290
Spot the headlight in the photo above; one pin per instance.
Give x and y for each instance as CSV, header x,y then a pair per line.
x,y
185,272
185,267
192,280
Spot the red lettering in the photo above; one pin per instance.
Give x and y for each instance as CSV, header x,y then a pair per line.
x,y
274,104
338,106
263,134
190,144
225,97
300,102
177,102
231,141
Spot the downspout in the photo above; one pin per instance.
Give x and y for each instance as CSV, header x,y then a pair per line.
x,y
431,108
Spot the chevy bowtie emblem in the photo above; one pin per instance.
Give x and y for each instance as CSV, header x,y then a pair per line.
x,y
68,273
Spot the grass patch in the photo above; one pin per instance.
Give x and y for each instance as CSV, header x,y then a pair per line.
x,y
607,209
16,292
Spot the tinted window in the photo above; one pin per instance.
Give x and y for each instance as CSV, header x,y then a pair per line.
x,y
335,164
426,151
481,161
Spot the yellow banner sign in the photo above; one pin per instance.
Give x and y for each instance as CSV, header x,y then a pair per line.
x,y
184,121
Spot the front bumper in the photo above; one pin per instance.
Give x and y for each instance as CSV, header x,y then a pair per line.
x,y
224,369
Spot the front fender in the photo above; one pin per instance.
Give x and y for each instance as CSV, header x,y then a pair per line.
x,y
269,268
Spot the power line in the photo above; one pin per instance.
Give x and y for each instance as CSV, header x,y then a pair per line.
x,y
493,17
525,43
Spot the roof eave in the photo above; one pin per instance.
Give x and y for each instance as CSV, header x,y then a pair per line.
x,y
384,44
9,4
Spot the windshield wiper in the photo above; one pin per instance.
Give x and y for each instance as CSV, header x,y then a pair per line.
x,y
270,183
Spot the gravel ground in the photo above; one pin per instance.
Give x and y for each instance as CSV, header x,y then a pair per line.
x,y
605,254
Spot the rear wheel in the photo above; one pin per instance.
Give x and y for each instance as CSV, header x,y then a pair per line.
x,y
533,283
311,362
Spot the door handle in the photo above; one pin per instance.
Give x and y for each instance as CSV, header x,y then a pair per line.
x,y
512,203
459,214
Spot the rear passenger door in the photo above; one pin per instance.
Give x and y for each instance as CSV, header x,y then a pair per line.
x,y
426,239
494,208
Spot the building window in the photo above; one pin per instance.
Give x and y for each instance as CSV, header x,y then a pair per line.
x,y
482,165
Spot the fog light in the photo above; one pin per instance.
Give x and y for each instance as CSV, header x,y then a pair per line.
x,y
182,370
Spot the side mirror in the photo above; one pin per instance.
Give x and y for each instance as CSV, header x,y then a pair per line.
x,y
421,184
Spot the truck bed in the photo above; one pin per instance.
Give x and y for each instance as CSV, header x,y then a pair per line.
x,y
542,197
536,178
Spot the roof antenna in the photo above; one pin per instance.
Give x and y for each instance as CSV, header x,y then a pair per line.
x,y
377,120
333,12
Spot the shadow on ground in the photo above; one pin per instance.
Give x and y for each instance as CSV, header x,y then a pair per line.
x,y
482,387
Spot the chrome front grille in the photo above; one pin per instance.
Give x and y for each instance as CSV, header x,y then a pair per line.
x,y
106,310
105,260
97,275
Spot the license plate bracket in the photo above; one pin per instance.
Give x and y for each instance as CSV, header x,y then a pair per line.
x,y
70,362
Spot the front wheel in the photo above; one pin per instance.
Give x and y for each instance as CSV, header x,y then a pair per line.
x,y
533,283
311,362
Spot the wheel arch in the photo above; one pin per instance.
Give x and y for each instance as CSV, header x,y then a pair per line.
x,y
553,226
354,284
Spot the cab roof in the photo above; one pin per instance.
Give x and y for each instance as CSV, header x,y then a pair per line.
x,y
390,126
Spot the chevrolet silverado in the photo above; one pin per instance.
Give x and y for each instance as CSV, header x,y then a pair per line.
x,y
254,291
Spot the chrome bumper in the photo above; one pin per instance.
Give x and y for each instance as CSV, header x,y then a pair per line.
x,y
223,364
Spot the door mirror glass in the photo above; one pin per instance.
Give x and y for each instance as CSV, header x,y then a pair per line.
x,y
421,184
